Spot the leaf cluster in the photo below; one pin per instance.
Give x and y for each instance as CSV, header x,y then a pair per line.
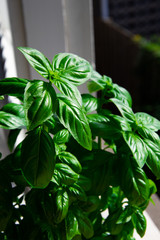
x,y
78,160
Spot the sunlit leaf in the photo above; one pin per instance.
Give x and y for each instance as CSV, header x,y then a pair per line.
x,y
71,67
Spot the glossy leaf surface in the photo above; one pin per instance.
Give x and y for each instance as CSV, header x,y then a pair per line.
x,y
13,87
62,205
137,187
68,89
38,61
71,160
137,147
125,110
38,158
61,137
63,174
139,222
39,103
71,226
71,67
12,116
146,120
90,103
153,160
74,119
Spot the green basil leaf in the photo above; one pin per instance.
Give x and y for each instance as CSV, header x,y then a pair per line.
x,y
62,204
94,87
125,216
60,148
13,87
137,147
120,122
68,89
39,103
139,222
15,109
76,191
12,116
125,110
38,158
70,67
145,120
97,118
71,226
71,160
148,134
152,187
153,160
104,130
61,137
110,222
63,174
122,94
84,182
98,82
137,187
53,124
84,224
90,103
73,118
12,137
38,61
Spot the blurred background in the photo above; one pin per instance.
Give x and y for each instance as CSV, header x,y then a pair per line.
x,y
121,38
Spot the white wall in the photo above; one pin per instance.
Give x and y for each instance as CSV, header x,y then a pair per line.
x,y
44,27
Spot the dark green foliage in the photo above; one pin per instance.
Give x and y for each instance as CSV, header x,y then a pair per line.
x,y
77,159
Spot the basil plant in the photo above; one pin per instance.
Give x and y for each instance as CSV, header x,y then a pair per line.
x,y
79,172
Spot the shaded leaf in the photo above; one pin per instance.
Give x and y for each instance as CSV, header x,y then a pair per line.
x,y
84,224
134,182
62,205
105,130
64,174
6,207
153,160
71,226
125,216
78,192
12,137
38,158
